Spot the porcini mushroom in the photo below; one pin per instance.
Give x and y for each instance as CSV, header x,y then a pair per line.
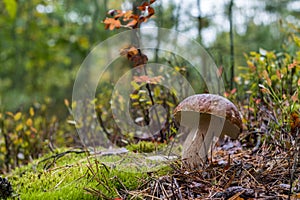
x,y
205,116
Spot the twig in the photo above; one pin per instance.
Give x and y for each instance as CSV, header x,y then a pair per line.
x,y
59,155
258,143
178,188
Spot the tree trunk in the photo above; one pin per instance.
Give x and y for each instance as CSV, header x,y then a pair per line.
x,y
231,46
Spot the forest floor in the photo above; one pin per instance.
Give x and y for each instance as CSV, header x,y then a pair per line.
x,y
235,171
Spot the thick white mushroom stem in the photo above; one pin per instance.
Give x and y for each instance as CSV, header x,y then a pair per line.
x,y
200,140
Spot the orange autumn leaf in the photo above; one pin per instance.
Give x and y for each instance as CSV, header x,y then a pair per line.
x,y
132,23
143,6
127,15
267,78
294,122
134,55
118,14
295,97
127,18
129,51
278,74
111,23
292,65
146,6
233,91
257,101
150,12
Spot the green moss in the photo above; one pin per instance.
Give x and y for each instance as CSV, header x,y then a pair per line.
x,y
68,176
145,147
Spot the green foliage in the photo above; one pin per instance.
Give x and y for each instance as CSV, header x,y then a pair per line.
x,y
42,47
28,134
11,7
271,85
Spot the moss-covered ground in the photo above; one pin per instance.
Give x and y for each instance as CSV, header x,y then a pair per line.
x,y
74,174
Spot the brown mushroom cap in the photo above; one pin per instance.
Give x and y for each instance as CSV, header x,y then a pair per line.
x,y
214,105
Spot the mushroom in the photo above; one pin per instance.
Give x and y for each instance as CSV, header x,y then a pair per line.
x,y
205,116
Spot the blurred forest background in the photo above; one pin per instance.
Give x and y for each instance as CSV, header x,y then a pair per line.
x,y
43,43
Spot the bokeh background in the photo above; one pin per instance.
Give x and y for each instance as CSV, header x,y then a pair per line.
x,y
43,43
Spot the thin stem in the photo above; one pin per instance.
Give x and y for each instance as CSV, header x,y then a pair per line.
x,y
231,45
137,40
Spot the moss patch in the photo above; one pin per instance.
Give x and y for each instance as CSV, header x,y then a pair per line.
x,y
71,175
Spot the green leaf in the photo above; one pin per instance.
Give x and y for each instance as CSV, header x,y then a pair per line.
x,y
11,7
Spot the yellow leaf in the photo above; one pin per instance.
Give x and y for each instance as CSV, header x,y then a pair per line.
x,y
31,112
29,122
3,149
19,127
15,141
17,116
67,102
134,96
284,71
73,104
27,133
156,91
